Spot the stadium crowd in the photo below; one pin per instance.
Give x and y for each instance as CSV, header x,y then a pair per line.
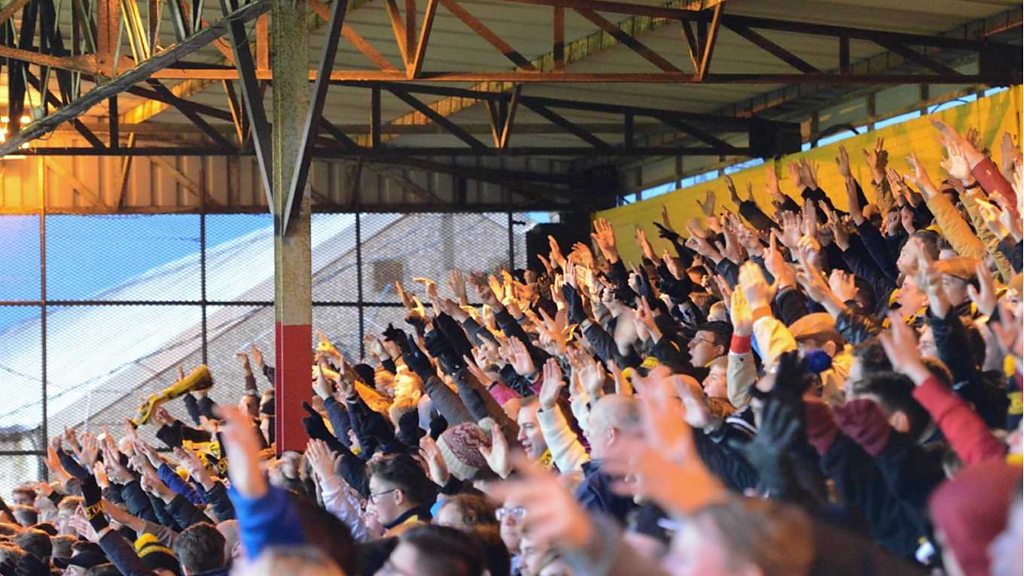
x,y
793,390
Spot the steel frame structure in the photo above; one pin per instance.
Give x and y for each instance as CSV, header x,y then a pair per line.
x,y
94,56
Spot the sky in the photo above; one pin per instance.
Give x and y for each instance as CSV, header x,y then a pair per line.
x,y
87,255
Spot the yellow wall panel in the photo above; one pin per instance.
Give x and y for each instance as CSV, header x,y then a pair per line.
x,y
992,115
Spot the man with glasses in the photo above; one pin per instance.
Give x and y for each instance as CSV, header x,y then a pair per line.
x,y
400,493
711,341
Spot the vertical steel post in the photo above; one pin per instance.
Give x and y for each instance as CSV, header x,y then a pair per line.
x,y
44,429
511,242
202,278
359,283
292,258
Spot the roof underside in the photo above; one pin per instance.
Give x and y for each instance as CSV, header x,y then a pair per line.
x,y
527,29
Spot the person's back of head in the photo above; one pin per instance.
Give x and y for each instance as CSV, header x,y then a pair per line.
x,y
232,542
325,531
35,542
437,551
775,538
290,561
200,548
894,394
617,411
25,515
63,546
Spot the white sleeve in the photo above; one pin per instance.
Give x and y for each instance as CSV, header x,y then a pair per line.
x,y
566,451
341,503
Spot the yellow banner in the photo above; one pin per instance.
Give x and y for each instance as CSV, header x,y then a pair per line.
x,y
992,116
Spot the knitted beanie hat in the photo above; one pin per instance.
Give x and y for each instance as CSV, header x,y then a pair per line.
x,y
155,555
971,510
459,446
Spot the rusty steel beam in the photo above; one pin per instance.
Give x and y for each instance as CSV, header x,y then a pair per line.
x,y
396,153
483,31
130,77
193,84
562,55
314,115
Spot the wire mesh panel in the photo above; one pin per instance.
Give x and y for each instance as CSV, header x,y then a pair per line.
x,y
21,377
406,246
239,257
333,244
19,260
341,325
16,470
123,257
103,358
103,361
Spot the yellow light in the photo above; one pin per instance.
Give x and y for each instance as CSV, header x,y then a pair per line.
x,y
4,119
25,119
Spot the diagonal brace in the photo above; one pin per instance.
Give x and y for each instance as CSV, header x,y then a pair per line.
x,y
315,112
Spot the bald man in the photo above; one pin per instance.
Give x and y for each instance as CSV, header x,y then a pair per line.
x,y
612,419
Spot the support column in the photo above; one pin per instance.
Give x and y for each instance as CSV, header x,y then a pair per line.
x,y
292,257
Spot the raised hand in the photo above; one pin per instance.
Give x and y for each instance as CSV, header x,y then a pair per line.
x,y
754,286
645,317
551,384
241,441
557,259
843,162
520,358
791,230
900,345
644,244
955,164
457,284
429,287
321,459
877,160
708,205
921,178
89,450
257,356
666,223
117,471
741,315
604,238
731,186
700,245
781,270
82,526
843,285
436,466
497,454
984,297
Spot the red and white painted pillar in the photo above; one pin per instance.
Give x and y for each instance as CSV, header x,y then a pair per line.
x,y
293,297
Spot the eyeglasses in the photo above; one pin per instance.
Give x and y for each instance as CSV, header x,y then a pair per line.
x,y
698,340
375,497
516,512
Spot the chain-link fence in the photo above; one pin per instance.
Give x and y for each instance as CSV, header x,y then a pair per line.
x,y
98,312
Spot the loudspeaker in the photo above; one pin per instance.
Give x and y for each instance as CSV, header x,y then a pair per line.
x,y
769,139
1001,64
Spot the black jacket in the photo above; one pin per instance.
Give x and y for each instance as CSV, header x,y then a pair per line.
x,y
596,495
